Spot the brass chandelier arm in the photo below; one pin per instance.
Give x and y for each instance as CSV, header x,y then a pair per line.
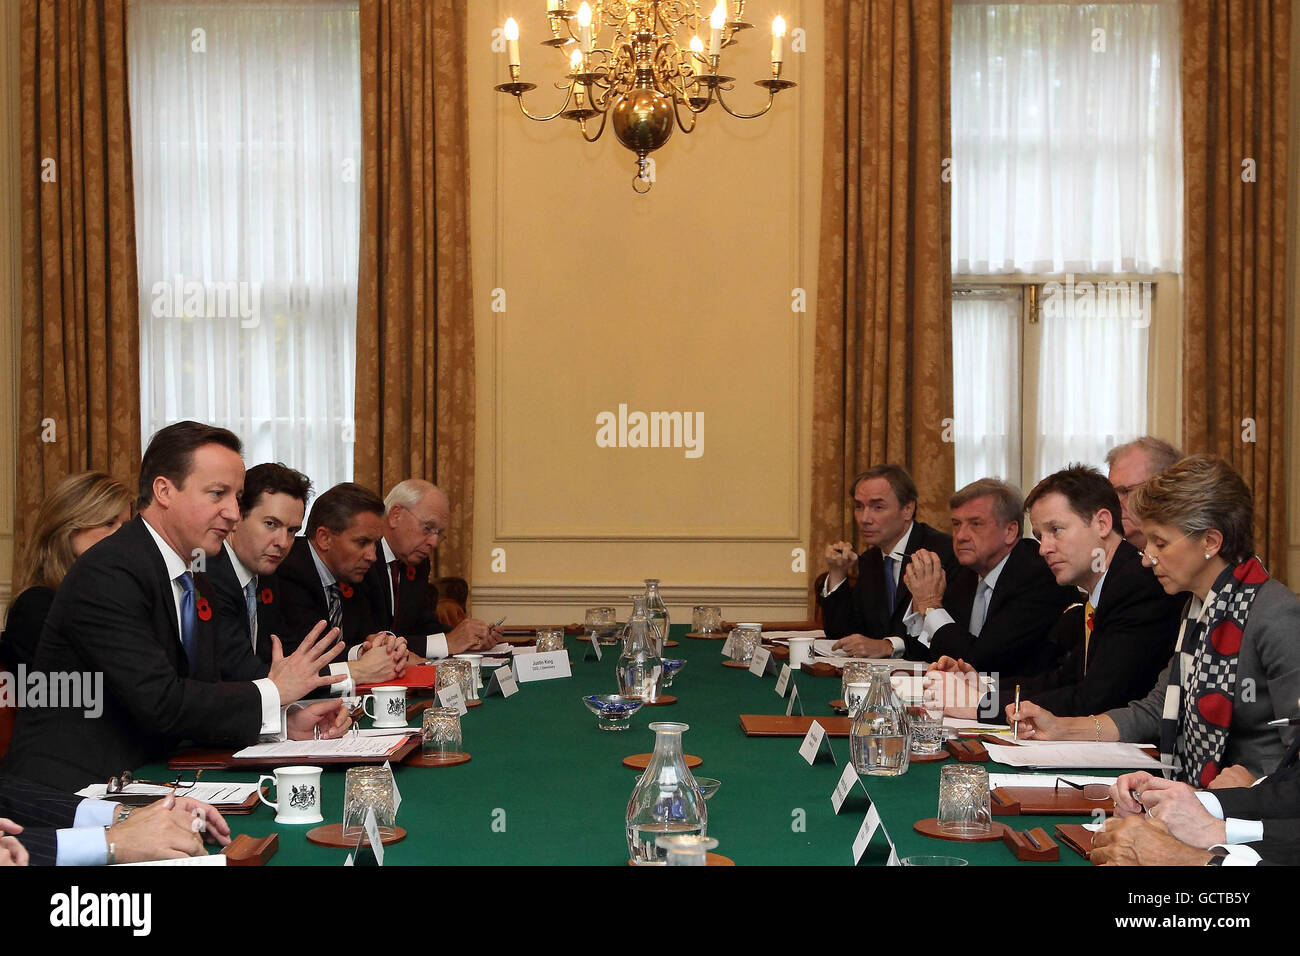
x,y
582,127
537,117
678,116
771,96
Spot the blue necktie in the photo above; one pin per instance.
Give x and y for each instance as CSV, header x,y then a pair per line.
x,y
891,587
189,619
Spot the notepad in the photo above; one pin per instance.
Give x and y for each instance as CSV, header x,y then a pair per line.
x,y
349,745
1094,756
1045,780
222,793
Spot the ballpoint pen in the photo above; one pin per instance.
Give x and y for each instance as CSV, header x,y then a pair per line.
x,y
1015,732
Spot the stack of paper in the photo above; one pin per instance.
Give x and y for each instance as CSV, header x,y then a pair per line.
x,y
349,745
223,793
1055,753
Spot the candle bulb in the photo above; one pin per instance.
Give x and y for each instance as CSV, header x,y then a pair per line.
x,y
552,6
512,41
778,39
575,66
698,63
716,22
584,26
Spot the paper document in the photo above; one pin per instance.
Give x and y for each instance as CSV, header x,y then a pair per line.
x,y
229,792
971,726
1047,780
1103,756
349,745
385,731
783,637
212,859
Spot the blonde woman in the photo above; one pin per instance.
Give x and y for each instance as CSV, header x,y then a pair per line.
x,y
79,511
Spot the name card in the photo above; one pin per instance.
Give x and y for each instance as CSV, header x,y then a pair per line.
x,y
812,742
372,835
450,696
727,645
870,823
595,646
397,794
502,682
783,682
547,666
893,856
848,780
794,699
759,664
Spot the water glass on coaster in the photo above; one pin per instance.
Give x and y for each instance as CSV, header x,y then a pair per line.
x,y
390,706
368,788
925,718
745,639
705,619
964,808
602,622
550,639
440,734
456,671
297,791
475,662
854,672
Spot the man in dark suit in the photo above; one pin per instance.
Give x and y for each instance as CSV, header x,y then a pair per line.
x,y
56,828
132,610
320,581
867,619
1110,647
397,585
1131,466
995,610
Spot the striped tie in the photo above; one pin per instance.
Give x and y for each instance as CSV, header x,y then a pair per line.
x,y
335,606
250,601
189,618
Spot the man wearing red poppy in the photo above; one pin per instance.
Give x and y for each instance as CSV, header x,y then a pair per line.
x,y
416,514
133,611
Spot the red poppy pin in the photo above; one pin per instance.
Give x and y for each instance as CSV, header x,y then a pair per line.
x,y
410,572
204,609
267,596
345,589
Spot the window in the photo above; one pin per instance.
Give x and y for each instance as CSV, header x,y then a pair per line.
x,y
246,127
1066,226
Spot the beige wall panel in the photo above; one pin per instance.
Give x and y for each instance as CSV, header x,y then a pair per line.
x,y
679,301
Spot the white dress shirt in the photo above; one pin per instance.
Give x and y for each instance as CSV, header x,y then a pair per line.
x,y
924,629
272,717
243,576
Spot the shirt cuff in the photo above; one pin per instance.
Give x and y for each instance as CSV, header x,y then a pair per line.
x,y
270,705
345,688
95,813
436,646
934,620
898,645
1211,804
81,846
1237,831
1239,855
913,623
354,651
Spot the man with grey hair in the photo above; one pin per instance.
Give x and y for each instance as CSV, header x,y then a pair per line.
x,y
1132,465
397,585
1000,603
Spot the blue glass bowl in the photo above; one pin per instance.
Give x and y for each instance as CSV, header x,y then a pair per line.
x,y
708,786
613,711
671,666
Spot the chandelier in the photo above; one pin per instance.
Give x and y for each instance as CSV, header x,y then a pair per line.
x,y
650,69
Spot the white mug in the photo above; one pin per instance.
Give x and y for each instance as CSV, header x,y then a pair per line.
x,y
297,792
476,663
800,652
390,706
854,695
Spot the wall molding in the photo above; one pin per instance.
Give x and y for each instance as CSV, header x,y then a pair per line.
x,y
774,603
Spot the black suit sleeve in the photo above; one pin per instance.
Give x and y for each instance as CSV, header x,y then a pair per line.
x,y
109,627
34,805
1281,843
840,616
1265,801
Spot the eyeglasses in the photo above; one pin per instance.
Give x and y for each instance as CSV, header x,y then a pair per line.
x,y
1090,791
117,785
1152,550
1125,490
430,527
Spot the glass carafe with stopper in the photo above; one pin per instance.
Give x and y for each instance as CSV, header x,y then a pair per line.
x,y
667,800
658,611
878,737
639,663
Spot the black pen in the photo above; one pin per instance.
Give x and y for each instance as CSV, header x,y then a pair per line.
x,y
1285,722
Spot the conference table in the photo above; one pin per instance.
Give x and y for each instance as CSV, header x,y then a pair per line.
x,y
546,786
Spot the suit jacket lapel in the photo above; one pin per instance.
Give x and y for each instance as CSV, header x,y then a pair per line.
x,y
165,592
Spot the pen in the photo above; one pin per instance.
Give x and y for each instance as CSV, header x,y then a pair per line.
x,y
1015,733
1285,722
1029,834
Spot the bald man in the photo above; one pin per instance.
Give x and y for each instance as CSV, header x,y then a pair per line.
x,y
397,585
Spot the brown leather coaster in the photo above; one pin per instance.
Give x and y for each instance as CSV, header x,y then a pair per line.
x,y
418,759
928,758
736,664
331,834
714,636
663,700
641,761
710,859
930,827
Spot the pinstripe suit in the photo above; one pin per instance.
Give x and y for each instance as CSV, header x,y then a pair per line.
x,y
41,811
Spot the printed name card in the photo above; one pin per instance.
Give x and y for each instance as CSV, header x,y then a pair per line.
x,y
727,645
759,664
397,794
794,699
502,682
547,666
870,823
372,834
848,780
450,696
783,681
595,647
812,742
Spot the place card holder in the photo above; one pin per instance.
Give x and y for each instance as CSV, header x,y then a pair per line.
x,y
1077,837
245,850
968,751
1032,845
1002,805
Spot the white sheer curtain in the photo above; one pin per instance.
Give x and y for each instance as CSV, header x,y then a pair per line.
x,y
1067,152
986,408
246,127
1067,162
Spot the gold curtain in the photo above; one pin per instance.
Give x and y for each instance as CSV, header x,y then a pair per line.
x,y
883,353
415,331
79,378
1235,74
